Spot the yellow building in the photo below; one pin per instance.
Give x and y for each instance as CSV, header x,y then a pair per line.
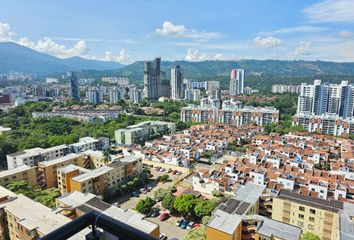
x,y
47,170
224,226
315,215
23,172
97,181
64,176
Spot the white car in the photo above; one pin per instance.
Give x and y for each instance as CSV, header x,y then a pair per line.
x,y
190,225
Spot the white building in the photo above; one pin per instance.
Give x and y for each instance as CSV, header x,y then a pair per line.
x,y
237,81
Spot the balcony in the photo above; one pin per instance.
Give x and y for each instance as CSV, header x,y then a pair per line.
x,y
97,220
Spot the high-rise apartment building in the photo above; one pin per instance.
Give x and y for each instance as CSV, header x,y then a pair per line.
x,y
214,89
114,95
74,85
152,78
237,81
176,83
319,99
94,96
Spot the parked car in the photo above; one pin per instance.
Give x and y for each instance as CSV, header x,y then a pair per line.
x,y
158,178
155,212
148,187
164,216
174,172
163,236
190,225
135,194
179,222
141,190
184,224
195,225
178,173
162,169
169,170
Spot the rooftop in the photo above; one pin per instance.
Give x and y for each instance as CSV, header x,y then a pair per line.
x,y
280,230
74,199
225,222
249,193
329,205
346,225
92,174
55,161
13,171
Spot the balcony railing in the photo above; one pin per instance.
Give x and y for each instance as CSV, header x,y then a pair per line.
x,y
97,219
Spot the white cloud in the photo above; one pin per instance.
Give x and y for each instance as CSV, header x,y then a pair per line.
x,y
47,45
180,31
345,34
5,32
297,29
194,55
331,11
220,56
267,42
123,57
304,48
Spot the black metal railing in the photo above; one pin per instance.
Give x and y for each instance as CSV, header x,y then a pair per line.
x,y
97,219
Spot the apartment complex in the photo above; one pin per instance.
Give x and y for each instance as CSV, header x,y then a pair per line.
x,y
23,218
325,124
237,81
47,170
116,80
282,88
89,143
319,98
31,157
23,172
230,114
310,214
142,131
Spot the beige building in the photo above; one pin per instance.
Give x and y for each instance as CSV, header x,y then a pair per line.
x,y
315,215
23,172
25,219
139,132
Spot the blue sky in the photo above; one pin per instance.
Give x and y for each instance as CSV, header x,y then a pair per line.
x,y
196,30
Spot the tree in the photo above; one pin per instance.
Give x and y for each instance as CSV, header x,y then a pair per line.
x,y
205,220
47,197
185,203
198,233
144,205
107,156
216,193
164,177
310,236
168,201
204,208
160,194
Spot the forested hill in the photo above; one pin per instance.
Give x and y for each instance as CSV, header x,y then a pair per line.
x,y
215,68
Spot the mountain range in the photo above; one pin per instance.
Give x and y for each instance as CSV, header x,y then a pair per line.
x,y
17,58
14,57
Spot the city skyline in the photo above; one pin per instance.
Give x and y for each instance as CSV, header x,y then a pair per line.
x,y
120,32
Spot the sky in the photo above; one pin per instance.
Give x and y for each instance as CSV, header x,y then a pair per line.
x,y
126,31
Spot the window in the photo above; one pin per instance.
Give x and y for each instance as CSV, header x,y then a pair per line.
x,y
311,219
301,216
301,208
312,211
300,224
311,227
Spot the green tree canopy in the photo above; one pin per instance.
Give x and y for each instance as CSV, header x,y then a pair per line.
x,y
185,203
144,205
204,208
168,201
310,236
198,233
